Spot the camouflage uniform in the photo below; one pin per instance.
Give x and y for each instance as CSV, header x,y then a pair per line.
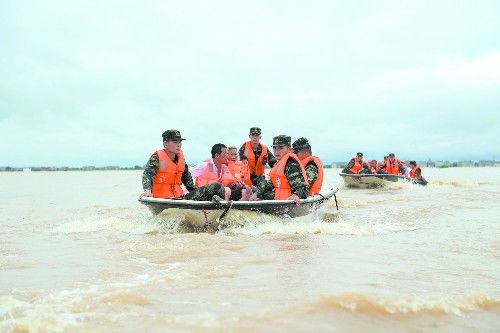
x,y
311,172
265,189
204,193
311,167
348,167
268,159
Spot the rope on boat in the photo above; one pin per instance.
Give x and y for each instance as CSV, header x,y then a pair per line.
x,y
230,204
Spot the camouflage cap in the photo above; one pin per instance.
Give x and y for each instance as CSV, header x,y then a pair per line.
x,y
255,130
391,155
359,154
282,140
300,144
172,135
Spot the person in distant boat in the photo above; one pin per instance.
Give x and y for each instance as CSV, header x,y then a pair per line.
x,y
393,166
215,170
166,170
415,174
356,165
258,154
373,166
312,165
288,179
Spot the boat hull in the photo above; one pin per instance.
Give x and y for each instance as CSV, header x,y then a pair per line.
x,y
201,214
369,180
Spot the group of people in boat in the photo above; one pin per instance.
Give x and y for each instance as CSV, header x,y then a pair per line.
x,y
235,174
389,166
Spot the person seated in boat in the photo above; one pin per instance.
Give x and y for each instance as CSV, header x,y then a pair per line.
x,y
373,166
288,179
167,170
257,153
312,165
215,170
357,165
238,167
393,166
415,174
381,166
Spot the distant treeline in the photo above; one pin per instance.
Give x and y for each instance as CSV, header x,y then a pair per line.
x,y
428,164
85,168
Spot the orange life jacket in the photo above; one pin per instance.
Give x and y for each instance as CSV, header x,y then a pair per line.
x,y
315,188
256,166
240,171
412,173
392,168
209,175
358,165
282,189
167,182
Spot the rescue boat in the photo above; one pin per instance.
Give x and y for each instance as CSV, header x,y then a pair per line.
x,y
205,214
370,180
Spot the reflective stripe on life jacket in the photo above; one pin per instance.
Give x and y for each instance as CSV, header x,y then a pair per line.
x,y
240,171
315,188
226,177
358,165
282,189
256,166
167,182
208,176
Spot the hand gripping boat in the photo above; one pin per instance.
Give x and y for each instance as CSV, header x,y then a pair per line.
x,y
202,213
375,180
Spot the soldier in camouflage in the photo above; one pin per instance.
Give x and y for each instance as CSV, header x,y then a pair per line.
x,y
348,167
255,136
204,193
391,158
302,149
293,173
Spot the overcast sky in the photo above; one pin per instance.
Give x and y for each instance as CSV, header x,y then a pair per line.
x,y
97,82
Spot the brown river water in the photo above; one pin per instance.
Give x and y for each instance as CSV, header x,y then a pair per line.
x,y
78,253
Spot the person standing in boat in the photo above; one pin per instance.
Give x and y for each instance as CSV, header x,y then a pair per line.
x,y
393,166
215,170
288,179
356,165
257,153
312,165
415,174
166,170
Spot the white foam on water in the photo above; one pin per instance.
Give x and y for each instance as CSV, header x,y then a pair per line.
x,y
405,305
250,223
142,224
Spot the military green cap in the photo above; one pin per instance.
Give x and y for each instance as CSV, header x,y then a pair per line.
x,y
300,144
282,140
172,135
255,131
